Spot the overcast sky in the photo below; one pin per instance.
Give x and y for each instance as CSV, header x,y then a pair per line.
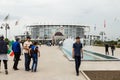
x,y
84,12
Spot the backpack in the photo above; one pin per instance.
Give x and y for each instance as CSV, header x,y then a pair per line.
x,y
3,47
33,50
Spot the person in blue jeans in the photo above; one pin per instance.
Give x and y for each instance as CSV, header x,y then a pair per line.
x,y
34,53
77,54
26,49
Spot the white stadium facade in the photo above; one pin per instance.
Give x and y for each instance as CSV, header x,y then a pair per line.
x,y
55,32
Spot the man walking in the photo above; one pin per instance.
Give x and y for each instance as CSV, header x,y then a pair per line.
x,y
17,52
77,54
26,46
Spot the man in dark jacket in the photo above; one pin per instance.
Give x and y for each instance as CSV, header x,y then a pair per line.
x,y
17,52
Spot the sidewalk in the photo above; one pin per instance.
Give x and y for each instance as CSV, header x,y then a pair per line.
x,y
52,65
102,50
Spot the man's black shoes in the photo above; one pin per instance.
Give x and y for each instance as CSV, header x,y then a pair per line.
x,y
6,72
15,69
77,74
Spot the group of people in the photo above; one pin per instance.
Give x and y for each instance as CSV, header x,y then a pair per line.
x,y
107,49
30,50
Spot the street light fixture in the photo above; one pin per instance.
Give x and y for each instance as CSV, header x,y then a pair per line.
x,y
6,26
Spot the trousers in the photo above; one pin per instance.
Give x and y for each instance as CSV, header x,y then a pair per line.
x,y
77,63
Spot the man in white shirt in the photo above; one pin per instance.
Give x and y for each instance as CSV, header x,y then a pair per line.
x,y
26,46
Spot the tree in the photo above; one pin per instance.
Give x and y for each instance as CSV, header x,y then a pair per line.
x,y
7,40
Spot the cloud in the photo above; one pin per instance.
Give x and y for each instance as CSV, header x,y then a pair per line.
x,y
87,12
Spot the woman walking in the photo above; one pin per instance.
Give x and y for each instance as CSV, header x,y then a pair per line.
x,y
3,53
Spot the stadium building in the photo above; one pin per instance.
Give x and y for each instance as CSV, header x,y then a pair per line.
x,y
55,32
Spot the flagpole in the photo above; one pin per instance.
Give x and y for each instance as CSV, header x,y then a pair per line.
x,y
104,32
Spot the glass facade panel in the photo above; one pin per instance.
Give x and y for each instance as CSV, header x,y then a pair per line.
x,y
48,31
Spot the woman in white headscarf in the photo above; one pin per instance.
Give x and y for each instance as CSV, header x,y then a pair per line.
x,y
3,53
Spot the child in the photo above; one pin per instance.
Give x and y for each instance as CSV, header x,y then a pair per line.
x,y
34,53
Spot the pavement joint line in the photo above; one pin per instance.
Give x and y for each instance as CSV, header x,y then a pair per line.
x,y
87,78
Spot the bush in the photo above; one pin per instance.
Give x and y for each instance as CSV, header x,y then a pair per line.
x,y
7,40
112,42
118,46
98,43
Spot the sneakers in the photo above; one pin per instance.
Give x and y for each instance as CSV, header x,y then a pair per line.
x,y
15,69
33,71
27,69
77,74
6,72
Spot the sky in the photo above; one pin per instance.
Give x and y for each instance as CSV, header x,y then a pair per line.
x,y
83,12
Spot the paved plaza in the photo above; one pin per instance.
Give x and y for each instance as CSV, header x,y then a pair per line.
x,y
53,65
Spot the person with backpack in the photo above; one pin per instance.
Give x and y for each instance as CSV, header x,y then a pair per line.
x,y
34,53
17,52
3,53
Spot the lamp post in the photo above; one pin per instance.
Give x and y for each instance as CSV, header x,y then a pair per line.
x,y
6,27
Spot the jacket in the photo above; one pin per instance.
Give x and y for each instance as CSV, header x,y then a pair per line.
x,y
16,47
